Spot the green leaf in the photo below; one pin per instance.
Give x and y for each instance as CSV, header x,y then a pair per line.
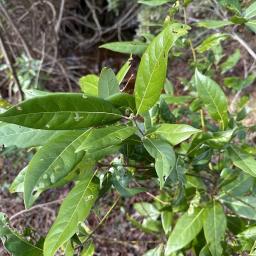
x,y
17,185
185,230
88,250
89,84
152,69
233,5
121,187
215,225
101,138
213,98
74,209
213,24
76,173
52,163
23,137
166,218
123,101
14,243
210,42
175,133
249,233
164,156
61,111
251,24
108,84
243,206
153,2
230,62
124,70
32,93
147,210
177,99
250,12
133,47
242,160
238,83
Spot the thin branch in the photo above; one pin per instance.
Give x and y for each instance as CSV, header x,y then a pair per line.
x,y
58,24
34,207
103,219
244,44
8,61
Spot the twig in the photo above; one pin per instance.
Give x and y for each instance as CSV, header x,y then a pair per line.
x,y
34,207
57,27
8,61
244,44
103,219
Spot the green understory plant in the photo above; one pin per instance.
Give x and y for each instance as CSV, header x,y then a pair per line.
x,y
191,149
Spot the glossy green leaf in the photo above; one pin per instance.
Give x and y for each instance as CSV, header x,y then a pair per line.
x,y
123,101
213,24
52,163
242,160
23,137
32,93
89,84
61,111
175,133
108,84
164,156
243,206
152,69
133,47
213,98
101,138
250,12
153,2
211,42
185,230
14,243
215,225
76,173
124,70
230,62
74,209
248,233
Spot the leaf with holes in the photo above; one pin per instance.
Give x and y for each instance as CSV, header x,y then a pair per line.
x,y
52,163
15,243
74,209
62,111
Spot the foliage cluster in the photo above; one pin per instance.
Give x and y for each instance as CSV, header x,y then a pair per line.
x,y
192,147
